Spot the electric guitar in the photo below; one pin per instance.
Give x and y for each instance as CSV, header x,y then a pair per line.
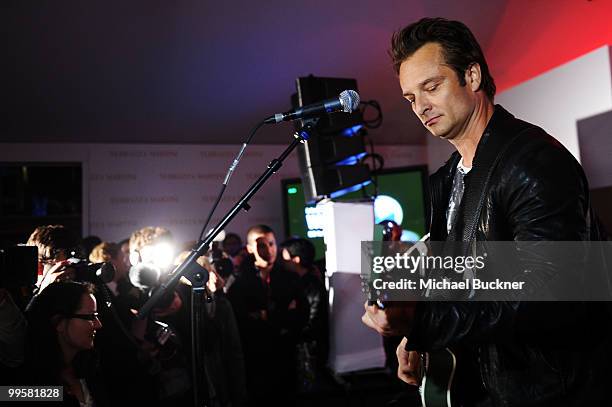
x,y
437,375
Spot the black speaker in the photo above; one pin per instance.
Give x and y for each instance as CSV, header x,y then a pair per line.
x,y
312,89
329,160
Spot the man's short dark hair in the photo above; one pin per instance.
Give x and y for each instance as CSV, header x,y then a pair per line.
x,y
232,237
232,244
258,229
53,241
302,248
459,47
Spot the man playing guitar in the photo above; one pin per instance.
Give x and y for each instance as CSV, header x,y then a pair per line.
x,y
507,181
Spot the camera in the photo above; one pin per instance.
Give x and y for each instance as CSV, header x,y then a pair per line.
x,y
91,272
223,265
159,332
149,278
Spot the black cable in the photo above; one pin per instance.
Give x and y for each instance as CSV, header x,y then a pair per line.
x,y
375,122
223,186
376,159
230,171
372,124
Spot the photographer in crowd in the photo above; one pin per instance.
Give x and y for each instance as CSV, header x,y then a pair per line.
x,y
122,289
125,366
164,334
55,245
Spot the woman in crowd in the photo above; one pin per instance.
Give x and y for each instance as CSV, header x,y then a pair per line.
x,y
63,320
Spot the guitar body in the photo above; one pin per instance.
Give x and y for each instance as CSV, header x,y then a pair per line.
x,y
439,372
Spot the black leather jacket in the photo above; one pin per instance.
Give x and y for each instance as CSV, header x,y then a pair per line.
x,y
518,354
315,329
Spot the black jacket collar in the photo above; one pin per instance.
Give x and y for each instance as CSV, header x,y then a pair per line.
x,y
501,129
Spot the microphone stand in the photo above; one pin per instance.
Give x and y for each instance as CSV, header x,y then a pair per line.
x,y
192,271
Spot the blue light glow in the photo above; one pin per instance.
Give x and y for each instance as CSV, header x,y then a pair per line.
x,y
351,131
352,160
341,192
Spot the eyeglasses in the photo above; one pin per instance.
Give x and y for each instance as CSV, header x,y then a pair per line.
x,y
87,317
54,255
47,261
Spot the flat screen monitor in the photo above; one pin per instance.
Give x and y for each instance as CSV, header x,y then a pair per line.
x,y
400,196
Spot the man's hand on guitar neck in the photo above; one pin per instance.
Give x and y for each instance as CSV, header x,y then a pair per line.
x,y
394,320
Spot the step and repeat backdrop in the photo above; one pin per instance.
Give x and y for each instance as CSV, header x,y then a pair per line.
x,y
129,186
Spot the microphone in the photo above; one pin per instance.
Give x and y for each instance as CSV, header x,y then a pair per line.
x,y
145,276
347,102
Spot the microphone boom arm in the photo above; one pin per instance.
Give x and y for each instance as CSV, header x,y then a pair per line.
x,y
243,203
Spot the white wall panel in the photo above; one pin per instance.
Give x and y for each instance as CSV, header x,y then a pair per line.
x,y
557,99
